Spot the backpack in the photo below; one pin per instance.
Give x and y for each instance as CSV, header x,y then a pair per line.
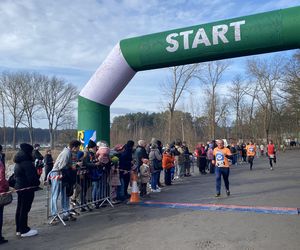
x,y
155,165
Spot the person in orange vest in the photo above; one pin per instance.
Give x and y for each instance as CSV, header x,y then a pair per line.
x,y
271,153
251,152
221,156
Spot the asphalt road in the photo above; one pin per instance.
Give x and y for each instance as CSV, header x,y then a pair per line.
x,y
139,227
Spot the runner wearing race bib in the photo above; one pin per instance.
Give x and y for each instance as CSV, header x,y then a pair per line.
x,y
221,156
271,153
251,152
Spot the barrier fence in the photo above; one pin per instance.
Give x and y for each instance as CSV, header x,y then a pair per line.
x,y
77,193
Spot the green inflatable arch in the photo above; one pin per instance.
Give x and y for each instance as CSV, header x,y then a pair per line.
x,y
261,33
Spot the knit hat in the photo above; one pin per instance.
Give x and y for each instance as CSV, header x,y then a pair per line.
x,y
119,147
145,160
103,151
102,144
130,144
115,159
142,143
91,144
27,148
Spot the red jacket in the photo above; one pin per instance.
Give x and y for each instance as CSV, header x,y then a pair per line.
x,y
3,182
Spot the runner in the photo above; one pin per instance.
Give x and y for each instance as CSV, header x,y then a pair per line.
x,y
221,156
251,152
271,153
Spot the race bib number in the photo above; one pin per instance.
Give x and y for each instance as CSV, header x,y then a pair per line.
x,y
271,156
220,160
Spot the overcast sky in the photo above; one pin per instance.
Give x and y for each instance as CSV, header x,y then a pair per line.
x,y
71,38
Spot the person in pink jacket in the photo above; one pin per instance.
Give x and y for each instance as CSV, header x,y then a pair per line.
x,y
3,188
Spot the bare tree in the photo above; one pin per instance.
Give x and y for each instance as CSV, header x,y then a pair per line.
x,y
2,103
290,91
267,75
11,84
173,89
237,91
211,77
30,99
57,99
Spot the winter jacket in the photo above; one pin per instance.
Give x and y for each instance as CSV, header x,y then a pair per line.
x,y
25,172
64,160
144,173
155,158
48,160
139,154
3,182
180,157
125,160
167,161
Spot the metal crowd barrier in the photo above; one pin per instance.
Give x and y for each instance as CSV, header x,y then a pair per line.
x,y
84,194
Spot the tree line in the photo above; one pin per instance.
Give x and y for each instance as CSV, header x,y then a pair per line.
x,y
40,136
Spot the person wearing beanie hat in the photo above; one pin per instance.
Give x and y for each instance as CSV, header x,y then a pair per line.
x,y
144,176
48,160
140,153
4,187
38,159
114,179
92,177
130,144
102,144
125,167
155,158
26,177
102,154
91,144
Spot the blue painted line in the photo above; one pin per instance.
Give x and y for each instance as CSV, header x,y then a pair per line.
x,y
223,208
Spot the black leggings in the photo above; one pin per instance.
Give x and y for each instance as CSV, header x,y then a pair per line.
x,y
25,199
272,159
250,160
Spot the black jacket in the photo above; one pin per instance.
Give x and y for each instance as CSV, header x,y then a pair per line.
x,y
139,154
48,160
25,172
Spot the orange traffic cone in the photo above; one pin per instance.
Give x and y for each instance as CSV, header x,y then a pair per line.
x,y
134,198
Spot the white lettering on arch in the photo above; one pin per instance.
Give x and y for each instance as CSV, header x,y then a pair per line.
x,y
219,31
174,45
201,37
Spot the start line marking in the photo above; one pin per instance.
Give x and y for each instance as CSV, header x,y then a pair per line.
x,y
220,207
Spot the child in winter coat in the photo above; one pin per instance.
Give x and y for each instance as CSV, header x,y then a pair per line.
x,y
167,164
114,179
104,164
144,176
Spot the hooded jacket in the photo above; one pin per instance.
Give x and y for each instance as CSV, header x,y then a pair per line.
x,y
125,159
25,172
